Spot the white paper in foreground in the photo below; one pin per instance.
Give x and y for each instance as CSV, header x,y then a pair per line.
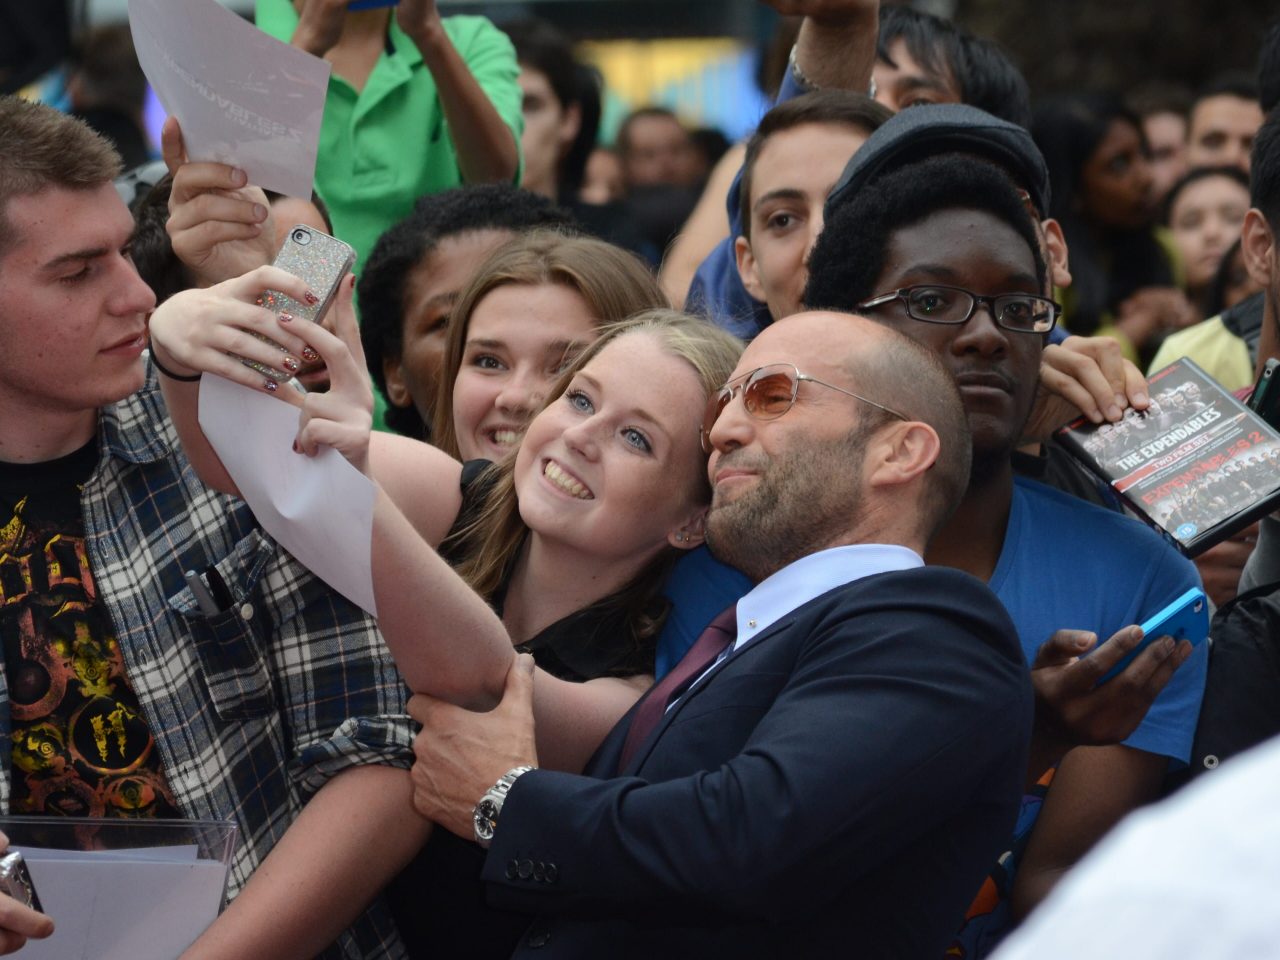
x,y
319,508
114,908
242,97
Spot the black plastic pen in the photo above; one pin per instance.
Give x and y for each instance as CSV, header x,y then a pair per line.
x,y
218,587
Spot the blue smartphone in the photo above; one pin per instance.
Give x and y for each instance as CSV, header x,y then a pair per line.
x,y
1187,618
371,4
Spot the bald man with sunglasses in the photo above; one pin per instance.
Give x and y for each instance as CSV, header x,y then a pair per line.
x,y
836,761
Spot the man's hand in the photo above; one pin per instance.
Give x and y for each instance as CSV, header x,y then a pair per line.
x,y
461,753
1084,375
1221,565
219,225
18,923
825,11
836,46
418,18
1072,710
320,25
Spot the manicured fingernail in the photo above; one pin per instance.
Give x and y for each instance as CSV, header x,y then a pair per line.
x,y
1140,398
270,385
311,298
290,364
309,355
1114,413
286,317
296,448
1120,401
259,212
239,177
351,281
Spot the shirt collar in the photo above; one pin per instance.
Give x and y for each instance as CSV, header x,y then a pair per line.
x,y
134,429
812,576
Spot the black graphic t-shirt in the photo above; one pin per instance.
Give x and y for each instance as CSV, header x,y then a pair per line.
x,y
80,744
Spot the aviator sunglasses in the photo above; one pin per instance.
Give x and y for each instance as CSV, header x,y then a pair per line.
x,y
767,393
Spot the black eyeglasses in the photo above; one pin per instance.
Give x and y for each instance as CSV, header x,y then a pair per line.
x,y
939,303
767,393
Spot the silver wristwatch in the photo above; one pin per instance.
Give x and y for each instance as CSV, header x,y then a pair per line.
x,y
485,815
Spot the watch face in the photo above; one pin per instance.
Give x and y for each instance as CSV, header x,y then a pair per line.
x,y
486,818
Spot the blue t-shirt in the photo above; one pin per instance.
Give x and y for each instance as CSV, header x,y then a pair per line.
x,y
1067,564
700,588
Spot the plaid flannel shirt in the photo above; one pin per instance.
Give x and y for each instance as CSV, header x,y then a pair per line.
x,y
255,708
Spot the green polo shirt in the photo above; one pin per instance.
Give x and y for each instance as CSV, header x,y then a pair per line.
x,y
387,145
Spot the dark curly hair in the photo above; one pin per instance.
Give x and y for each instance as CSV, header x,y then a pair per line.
x,y
851,251
405,245
151,249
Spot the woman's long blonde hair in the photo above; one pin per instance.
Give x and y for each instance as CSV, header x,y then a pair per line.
x,y
492,541
614,283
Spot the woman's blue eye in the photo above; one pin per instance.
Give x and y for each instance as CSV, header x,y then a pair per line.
x,y
637,439
579,401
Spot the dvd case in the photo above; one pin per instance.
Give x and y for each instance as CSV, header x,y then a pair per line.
x,y
1197,465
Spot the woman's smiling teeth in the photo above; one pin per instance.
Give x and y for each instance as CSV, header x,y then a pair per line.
x,y
565,482
506,438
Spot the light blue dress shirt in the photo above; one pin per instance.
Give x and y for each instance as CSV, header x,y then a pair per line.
x,y
807,578
812,576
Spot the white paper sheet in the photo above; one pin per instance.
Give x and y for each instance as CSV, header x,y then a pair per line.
x,y
108,908
320,508
241,96
176,853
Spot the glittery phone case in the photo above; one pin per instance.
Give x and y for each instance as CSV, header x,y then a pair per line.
x,y
15,880
319,259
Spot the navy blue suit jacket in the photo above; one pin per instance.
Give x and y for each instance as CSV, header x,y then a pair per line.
x,y
839,786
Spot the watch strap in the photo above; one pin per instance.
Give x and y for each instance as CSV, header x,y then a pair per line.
x,y
485,815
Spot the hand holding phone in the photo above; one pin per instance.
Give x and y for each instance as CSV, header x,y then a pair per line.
x,y
16,882
1187,618
319,259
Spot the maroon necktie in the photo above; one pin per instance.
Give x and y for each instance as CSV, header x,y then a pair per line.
x,y
718,635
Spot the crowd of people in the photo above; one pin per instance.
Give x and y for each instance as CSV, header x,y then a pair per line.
x,y
732,602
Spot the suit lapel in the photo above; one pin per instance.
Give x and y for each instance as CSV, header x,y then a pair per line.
x,y
642,752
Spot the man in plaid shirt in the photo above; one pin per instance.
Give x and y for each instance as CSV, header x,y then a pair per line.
x,y
282,711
